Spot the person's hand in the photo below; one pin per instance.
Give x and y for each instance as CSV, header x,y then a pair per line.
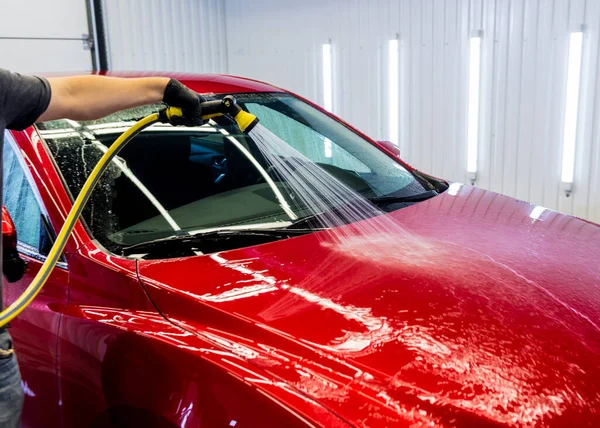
x,y
178,95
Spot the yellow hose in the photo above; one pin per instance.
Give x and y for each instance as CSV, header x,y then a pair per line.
x,y
59,245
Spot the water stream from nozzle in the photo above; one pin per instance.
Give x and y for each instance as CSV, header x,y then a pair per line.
x,y
315,192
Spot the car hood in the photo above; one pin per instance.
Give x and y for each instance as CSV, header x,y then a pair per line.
x,y
468,308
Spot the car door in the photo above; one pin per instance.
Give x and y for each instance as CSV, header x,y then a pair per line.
x,y
34,331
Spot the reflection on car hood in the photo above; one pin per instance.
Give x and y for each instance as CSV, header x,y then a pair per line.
x,y
494,319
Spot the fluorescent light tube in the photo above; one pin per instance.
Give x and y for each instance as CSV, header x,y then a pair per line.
x,y
327,78
394,91
571,107
473,112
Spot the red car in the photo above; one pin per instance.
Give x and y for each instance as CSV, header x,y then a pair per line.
x,y
171,306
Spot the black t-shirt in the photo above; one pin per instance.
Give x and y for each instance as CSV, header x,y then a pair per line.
x,y
22,100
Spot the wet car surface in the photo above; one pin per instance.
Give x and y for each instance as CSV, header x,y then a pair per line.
x,y
473,309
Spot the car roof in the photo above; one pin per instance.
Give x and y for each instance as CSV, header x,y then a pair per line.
x,y
201,83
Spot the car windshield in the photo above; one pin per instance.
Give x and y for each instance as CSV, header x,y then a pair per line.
x,y
172,179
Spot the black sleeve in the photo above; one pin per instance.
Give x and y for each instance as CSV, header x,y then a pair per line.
x,y
22,99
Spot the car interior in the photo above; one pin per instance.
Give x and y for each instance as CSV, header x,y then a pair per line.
x,y
198,176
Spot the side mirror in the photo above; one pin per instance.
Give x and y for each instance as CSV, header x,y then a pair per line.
x,y
391,147
13,266
9,232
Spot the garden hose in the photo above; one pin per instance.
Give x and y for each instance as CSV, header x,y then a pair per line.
x,y
211,109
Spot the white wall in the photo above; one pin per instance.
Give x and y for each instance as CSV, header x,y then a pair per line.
x,y
524,66
524,63
43,36
159,35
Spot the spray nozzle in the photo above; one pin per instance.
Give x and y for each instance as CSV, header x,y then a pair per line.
x,y
228,105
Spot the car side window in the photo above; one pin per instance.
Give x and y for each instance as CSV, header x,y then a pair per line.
x,y
20,201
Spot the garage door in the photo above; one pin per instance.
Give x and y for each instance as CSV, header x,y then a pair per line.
x,y
44,36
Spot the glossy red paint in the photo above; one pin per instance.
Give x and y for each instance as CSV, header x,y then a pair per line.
x,y
35,342
470,322
9,232
481,314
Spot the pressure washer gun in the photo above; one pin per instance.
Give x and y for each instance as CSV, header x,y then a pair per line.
x,y
210,109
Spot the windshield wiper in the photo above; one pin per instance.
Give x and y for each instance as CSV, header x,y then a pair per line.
x,y
314,221
319,221
384,200
210,241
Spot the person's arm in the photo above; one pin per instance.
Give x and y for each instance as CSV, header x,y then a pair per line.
x,y
93,97
25,100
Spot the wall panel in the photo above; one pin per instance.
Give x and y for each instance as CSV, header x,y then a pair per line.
x,y
157,35
523,81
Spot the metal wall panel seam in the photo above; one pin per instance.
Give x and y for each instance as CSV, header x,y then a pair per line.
x,y
527,124
406,97
594,194
437,101
587,152
523,102
427,94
